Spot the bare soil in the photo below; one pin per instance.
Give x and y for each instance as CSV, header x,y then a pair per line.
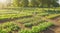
x,y
55,28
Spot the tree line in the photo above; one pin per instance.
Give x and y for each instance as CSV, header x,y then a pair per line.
x,y
36,3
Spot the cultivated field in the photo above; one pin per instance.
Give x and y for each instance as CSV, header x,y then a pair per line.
x,y
30,20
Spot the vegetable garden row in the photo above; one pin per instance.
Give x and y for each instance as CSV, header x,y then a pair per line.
x,y
29,19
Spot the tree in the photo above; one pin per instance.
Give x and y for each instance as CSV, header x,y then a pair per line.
x,y
48,3
16,3
36,3
23,3
33,3
54,3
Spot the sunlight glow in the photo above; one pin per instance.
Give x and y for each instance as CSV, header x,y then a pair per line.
x,y
3,1
59,1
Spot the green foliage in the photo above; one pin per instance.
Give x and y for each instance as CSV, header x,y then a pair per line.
x,y
28,24
3,31
25,31
12,16
8,27
36,3
53,16
27,21
41,27
36,29
15,3
33,3
23,3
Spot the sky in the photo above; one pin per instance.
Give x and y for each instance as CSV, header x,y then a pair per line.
x,y
59,1
2,1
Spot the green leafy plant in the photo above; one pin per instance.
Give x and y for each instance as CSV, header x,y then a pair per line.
x,y
9,27
28,24
37,29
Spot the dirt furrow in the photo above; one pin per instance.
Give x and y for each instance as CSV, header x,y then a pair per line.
x,y
55,28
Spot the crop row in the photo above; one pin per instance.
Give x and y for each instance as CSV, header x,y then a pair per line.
x,y
37,29
8,27
12,16
53,16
